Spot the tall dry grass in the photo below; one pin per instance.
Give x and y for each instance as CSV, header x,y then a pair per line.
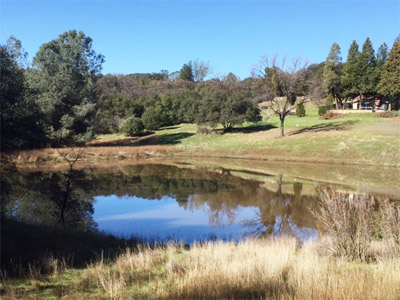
x,y
252,269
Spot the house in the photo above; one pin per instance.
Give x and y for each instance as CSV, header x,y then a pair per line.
x,y
363,102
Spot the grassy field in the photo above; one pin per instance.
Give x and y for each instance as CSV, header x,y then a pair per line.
x,y
252,269
353,139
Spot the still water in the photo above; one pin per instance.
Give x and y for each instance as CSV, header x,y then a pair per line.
x,y
161,202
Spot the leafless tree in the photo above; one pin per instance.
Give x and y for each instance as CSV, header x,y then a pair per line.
x,y
200,69
71,157
283,83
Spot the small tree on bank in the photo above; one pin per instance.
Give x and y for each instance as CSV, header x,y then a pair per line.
x,y
282,85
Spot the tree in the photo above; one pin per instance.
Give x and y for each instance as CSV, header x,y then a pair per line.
x,y
133,126
19,118
381,58
62,82
368,74
14,47
282,85
382,55
331,76
221,107
230,78
390,79
351,79
186,72
200,70
153,118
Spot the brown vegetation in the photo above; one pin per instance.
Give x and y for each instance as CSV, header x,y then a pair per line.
x,y
331,116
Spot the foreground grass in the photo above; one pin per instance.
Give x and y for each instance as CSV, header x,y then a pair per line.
x,y
252,269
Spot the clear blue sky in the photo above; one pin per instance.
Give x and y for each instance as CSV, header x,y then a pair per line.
x,y
141,37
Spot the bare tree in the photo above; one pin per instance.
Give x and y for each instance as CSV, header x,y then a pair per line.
x,y
71,157
283,84
200,69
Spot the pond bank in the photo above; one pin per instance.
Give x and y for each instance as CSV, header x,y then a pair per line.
x,y
362,176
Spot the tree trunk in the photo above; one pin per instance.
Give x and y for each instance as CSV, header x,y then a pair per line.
x,y
282,127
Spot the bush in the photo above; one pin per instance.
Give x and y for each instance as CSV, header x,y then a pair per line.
x,y
322,110
204,130
331,116
133,126
354,221
330,101
387,114
153,118
300,110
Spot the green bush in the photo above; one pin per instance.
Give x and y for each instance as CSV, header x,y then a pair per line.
x,y
330,101
322,110
133,126
153,118
300,110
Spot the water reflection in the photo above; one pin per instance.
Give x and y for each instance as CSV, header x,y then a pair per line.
x,y
159,201
51,199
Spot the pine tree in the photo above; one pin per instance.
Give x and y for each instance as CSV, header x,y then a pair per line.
x,y
369,76
331,75
390,80
382,55
351,79
187,72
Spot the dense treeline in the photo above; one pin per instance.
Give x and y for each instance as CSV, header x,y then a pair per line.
x,y
62,98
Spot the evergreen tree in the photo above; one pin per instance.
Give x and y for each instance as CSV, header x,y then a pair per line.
x,y
390,80
62,82
331,76
368,73
382,55
186,72
381,58
351,79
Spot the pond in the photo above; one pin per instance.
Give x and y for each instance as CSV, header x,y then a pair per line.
x,y
177,201
158,202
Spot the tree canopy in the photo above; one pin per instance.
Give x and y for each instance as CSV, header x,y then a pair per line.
x,y
63,84
390,81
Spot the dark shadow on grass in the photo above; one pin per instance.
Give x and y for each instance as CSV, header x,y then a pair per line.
x,y
24,245
165,139
250,129
326,127
128,141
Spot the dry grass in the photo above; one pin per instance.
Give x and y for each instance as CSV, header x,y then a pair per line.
x,y
252,269
90,154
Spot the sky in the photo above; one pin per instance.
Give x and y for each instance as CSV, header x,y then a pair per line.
x,y
149,36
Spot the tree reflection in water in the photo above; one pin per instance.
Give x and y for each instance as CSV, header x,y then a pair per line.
x,y
66,199
52,199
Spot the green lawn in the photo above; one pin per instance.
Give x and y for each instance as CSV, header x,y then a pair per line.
x,y
355,138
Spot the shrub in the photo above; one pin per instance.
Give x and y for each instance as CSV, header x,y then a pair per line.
x,y
153,118
354,221
322,110
387,114
203,130
330,101
300,110
331,116
349,221
133,126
